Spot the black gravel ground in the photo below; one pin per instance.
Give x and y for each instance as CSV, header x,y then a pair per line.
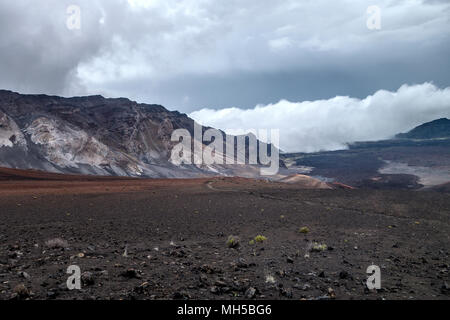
x,y
169,241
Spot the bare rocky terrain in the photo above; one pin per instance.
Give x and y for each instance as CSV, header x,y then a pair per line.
x,y
168,239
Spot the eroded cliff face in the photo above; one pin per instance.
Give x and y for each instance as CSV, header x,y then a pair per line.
x,y
10,134
93,135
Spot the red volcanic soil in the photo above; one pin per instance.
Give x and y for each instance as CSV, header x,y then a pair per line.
x,y
174,233
18,174
306,182
15,181
339,185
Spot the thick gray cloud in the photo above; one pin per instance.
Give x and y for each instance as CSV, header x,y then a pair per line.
x,y
37,52
192,54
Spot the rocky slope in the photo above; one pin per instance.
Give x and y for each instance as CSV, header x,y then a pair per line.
x,y
94,135
436,129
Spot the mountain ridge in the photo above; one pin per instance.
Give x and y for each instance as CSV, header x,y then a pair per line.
x,y
95,135
439,128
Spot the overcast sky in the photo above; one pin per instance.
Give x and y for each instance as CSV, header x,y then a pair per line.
x,y
198,54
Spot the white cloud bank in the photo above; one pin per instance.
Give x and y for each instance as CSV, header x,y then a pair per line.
x,y
311,126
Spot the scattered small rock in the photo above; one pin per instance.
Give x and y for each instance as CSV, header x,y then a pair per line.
x,y
21,292
25,275
344,275
241,263
250,293
209,269
125,252
57,243
286,293
445,288
87,278
270,279
131,274
215,290
233,242
51,294
220,284
331,293
181,295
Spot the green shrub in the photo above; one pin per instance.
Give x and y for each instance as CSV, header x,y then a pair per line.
x,y
260,238
317,247
304,230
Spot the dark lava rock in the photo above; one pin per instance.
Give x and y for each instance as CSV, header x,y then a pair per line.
x,y
331,293
142,288
345,275
21,292
215,290
238,286
281,273
177,253
233,242
203,279
25,275
52,294
250,293
208,269
286,293
241,263
220,284
131,274
289,260
306,287
181,295
445,289
87,278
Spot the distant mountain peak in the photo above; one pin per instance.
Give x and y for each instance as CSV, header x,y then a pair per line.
x,y
439,128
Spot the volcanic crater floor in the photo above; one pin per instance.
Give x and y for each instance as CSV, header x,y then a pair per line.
x,y
168,239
